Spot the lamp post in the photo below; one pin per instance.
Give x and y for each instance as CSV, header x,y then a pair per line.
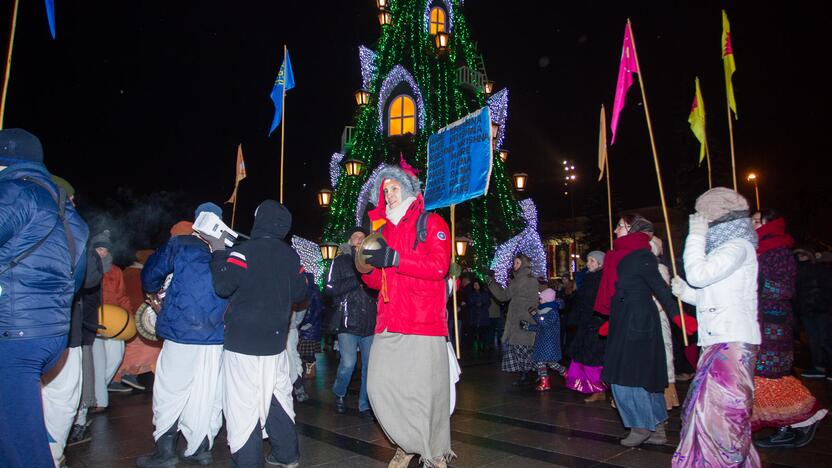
x,y
569,179
353,167
362,97
381,4
488,87
503,155
442,39
385,18
328,250
520,181
752,177
324,198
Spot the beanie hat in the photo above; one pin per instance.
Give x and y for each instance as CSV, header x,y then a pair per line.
x,y
360,229
102,239
209,207
411,186
721,204
64,184
182,228
597,255
18,146
547,295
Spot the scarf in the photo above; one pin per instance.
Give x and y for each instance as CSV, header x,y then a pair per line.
x,y
621,247
723,232
773,235
394,215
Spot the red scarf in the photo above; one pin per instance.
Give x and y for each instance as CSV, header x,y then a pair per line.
x,y
773,235
621,247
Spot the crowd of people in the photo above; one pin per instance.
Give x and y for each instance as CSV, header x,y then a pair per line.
x,y
239,325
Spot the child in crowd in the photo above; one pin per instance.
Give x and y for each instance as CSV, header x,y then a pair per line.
x,y
547,350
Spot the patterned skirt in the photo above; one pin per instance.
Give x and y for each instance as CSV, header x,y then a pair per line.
x,y
517,358
783,402
716,416
308,348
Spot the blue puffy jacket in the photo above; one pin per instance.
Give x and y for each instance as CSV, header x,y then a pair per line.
x,y
36,295
192,312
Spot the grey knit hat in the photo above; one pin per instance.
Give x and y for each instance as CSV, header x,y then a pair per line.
x,y
597,255
721,204
411,186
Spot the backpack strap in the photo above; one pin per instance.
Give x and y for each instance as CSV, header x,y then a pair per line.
x,y
421,229
60,201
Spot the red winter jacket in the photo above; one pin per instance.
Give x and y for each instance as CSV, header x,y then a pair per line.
x,y
415,289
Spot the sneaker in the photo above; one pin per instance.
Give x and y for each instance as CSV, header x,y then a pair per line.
x,y
79,434
132,381
271,460
683,377
368,415
636,437
118,387
813,373
301,395
804,435
340,405
784,437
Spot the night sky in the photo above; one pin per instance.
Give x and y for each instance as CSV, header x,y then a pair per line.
x,y
145,102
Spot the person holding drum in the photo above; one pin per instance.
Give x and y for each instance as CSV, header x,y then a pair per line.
x,y
187,391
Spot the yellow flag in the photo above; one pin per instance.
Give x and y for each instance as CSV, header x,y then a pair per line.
x,y
728,62
602,143
697,120
240,174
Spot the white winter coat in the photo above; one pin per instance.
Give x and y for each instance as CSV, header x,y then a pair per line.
x,y
723,287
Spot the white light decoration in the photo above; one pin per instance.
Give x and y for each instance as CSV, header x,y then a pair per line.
x,y
364,195
449,14
335,168
310,256
527,243
498,109
367,57
398,75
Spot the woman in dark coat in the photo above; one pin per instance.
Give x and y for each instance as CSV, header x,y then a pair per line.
x,y
634,361
476,305
587,348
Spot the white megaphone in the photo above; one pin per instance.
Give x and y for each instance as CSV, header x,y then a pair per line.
x,y
209,224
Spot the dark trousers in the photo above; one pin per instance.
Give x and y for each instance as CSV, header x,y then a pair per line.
x,y
282,437
818,331
24,441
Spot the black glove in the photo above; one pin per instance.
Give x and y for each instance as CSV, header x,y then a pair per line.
x,y
524,325
383,257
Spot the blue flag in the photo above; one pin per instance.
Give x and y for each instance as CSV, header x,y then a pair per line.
x,y
50,16
285,79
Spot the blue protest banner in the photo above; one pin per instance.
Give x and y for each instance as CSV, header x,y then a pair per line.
x,y
459,161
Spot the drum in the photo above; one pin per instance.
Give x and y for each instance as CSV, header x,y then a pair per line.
x,y
370,243
117,323
146,322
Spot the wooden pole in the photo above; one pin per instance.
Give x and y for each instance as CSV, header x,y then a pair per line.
x,y
731,139
282,122
453,260
609,196
658,172
8,64
708,157
234,208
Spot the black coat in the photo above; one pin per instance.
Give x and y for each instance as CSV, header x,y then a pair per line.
x,y
262,278
84,323
635,351
355,309
587,347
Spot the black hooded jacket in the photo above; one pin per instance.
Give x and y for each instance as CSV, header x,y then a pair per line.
x,y
262,278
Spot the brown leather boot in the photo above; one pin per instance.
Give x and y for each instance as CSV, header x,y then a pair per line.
x,y
599,396
400,459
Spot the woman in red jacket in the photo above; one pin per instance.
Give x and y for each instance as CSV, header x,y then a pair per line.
x,y
408,374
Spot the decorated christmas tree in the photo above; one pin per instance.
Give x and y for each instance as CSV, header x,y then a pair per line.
x,y
425,73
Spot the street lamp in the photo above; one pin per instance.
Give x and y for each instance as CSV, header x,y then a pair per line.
x,y
385,18
328,250
381,4
461,246
324,198
504,155
442,40
362,97
353,167
488,87
520,181
752,177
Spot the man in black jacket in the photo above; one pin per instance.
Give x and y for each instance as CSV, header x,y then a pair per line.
x,y
354,321
262,278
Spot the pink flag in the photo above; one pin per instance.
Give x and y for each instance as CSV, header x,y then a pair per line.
x,y
625,78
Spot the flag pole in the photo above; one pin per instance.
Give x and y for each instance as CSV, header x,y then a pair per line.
x,y
731,138
234,208
658,172
8,63
282,124
708,157
602,146
609,197
453,287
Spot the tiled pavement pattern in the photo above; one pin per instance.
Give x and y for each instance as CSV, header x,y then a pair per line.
x,y
495,425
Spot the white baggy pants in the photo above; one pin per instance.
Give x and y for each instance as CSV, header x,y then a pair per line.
x,y
188,389
250,382
61,397
106,357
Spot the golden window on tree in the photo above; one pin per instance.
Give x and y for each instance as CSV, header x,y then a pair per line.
x,y
402,116
437,20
